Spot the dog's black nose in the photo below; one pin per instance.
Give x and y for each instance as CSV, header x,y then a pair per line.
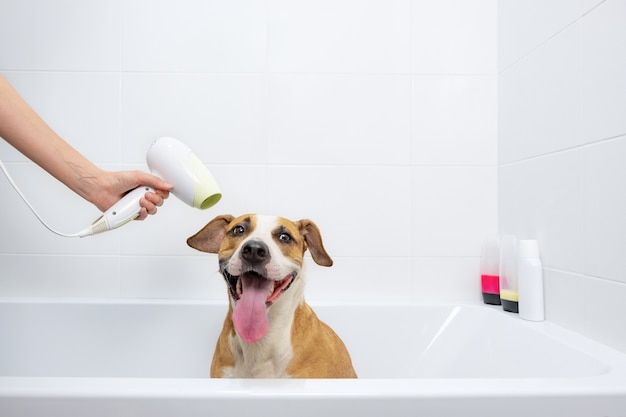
x,y
255,252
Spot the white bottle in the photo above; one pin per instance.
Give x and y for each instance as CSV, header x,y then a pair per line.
x,y
530,281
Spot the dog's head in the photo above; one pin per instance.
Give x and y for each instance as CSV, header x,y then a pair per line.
x,y
259,257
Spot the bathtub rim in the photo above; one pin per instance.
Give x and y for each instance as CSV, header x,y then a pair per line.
x,y
605,386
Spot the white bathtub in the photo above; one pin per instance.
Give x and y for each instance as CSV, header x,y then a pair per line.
x,y
151,358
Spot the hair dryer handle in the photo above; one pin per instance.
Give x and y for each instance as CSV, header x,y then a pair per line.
x,y
127,209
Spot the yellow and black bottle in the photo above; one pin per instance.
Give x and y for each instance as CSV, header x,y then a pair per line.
x,y
508,274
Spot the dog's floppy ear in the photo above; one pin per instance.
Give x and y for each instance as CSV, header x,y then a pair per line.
x,y
209,238
313,239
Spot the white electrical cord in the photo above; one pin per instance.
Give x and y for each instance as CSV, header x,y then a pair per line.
x,y
92,229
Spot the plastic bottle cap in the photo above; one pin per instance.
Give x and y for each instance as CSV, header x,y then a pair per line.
x,y
528,249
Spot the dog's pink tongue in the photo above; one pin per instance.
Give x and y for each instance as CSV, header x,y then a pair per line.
x,y
250,315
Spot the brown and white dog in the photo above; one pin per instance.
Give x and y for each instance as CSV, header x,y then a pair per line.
x,y
270,331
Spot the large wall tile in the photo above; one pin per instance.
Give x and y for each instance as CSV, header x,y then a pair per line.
x,y
172,277
446,280
587,5
604,205
541,199
339,119
604,66
454,120
371,36
83,108
539,100
566,296
359,279
220,117
453,208
194,36
604,312
525,25
454,37
66,276
587,305
68,35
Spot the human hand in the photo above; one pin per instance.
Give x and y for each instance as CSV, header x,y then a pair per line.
x,y
110,186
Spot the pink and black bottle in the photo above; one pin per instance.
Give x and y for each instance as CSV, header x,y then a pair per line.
x,y
490,270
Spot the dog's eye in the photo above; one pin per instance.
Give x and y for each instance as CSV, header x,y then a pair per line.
x,y
238,230
285,237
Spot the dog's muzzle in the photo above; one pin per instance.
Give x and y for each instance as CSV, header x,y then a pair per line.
x,y
255,256
235,284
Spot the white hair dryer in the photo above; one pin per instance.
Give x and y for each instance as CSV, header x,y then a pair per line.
x,y
172,161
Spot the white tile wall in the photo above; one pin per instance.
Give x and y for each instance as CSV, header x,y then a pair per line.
x,y
84,108
604,312
347,36
566,298
587,305
465,34
524,25
68,35
339,119
445,280
452,207
222,117
376,119
373,279
55,275
604,176
194,36
544,87
449,114
541,199
604,84
562,147
165,277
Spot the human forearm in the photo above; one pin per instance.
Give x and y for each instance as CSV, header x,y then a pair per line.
x,y
29,134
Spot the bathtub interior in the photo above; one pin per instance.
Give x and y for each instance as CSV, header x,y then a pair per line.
x,y
152,339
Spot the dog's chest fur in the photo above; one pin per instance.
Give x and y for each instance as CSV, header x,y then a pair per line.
x,y
270,356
